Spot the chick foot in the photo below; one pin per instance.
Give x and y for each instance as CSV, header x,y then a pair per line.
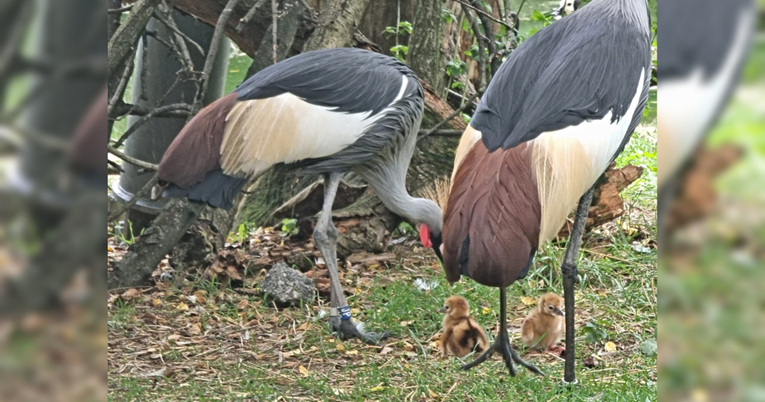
x,y
347,329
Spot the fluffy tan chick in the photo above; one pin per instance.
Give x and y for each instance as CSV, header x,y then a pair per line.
x,y
462,334
544,325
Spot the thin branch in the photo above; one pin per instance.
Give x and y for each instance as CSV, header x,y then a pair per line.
x,y
143,192
481,40
16,134
274,19
489,34
172,110
120,10
484,13
129,159
247,17
119,93
451,116
153,113
169,22
212,54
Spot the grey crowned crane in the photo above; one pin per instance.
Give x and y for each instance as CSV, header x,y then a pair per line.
x,y
558,111
324,112
698,72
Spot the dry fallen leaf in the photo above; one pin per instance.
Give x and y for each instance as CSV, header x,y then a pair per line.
x,y
610,347
303,370
156,302
243,304
130,294
377,388
432,394
385,350
182,306
339,346
528,301
352,352
486,310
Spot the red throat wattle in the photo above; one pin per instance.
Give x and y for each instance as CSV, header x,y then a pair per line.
x,y
425,236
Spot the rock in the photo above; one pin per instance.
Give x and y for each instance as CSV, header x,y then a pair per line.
x,y
287,286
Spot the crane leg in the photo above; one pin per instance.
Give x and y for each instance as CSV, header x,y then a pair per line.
x,y
570,275
325,237
501,344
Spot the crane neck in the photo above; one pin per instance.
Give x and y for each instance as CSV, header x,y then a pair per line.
x,y
419,210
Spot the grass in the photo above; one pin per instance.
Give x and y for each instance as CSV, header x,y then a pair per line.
x,y
233,345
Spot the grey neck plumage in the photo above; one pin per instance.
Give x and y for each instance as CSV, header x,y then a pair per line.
x,y
635,11
419,210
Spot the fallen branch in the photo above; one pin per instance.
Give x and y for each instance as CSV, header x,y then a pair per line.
x,y
172,110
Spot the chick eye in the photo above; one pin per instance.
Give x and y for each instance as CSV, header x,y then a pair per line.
x,y
551,307
446,307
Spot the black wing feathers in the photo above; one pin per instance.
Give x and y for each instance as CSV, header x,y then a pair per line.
x,y
579,68
346,79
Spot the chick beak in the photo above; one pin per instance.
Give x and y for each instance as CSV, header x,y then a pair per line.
x,y
558,311
442,310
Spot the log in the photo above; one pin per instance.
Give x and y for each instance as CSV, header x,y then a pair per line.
x,y
607,203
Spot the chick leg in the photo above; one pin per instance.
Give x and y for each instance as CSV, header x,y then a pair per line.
x,y
502,344
569,279
325,236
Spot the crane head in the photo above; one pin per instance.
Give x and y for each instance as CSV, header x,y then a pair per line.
x,y
430,239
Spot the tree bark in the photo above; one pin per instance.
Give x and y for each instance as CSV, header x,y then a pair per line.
x,y
121,44
337,22
425,56
289,22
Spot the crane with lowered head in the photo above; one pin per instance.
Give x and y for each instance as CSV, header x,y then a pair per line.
x,y
323,112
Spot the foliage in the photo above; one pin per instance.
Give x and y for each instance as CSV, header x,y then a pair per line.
x,y
594,333
402,29
289,227
125,237
242,232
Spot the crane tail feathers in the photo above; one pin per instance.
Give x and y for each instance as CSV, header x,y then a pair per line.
x,y
217,190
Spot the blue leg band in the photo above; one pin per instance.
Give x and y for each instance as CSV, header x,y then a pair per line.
x,y
345,312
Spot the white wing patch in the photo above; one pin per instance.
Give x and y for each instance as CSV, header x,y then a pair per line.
x,y
263,132
284,129
567,162
688,105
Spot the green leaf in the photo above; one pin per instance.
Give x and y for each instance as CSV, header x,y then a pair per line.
x,y
537,16
487,6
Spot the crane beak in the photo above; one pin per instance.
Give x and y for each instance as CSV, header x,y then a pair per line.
x,y
436,245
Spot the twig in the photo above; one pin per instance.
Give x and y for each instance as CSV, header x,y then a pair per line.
x,y
451,116
143,192
15,134
481,40
119,93
485,14
172,110
129,159
521,8
120,10
247,17
274,19
169,22
148,116
489,35
212,54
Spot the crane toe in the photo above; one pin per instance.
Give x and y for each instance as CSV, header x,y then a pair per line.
x,y
348,329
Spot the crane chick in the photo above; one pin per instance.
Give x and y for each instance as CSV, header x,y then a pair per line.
x,y
462,334
544,325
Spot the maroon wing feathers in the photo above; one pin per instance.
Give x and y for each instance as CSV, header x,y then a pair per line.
x,y
494,201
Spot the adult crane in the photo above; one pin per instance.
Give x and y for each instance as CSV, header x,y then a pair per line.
x,y
324,112
558,111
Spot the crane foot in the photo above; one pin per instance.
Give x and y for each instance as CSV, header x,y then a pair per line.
x,y
502,345
347,329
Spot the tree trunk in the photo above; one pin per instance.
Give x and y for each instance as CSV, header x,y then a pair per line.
x,y
425,56
289,21
337,22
